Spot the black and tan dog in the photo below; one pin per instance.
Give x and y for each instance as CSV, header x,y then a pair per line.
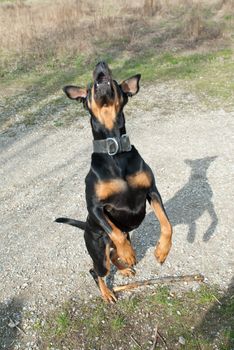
x,y
118,183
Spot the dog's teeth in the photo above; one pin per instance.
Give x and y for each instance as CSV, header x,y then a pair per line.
x,y
97,84
108,83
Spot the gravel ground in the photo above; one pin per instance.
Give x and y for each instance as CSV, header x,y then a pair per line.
x,y
42,264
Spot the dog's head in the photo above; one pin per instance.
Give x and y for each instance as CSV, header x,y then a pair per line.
x,y
105,98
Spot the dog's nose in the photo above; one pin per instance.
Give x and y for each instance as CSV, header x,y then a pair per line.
x,y
102,65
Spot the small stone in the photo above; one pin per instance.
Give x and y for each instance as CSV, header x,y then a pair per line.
x,y
181,340
24,285
13,324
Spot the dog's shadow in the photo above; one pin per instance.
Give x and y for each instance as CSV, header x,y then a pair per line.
x,y
185,207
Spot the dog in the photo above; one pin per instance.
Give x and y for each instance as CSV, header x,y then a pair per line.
x,y
119,182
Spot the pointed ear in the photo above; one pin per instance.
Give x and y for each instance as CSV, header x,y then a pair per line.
x,y
131,85
75,92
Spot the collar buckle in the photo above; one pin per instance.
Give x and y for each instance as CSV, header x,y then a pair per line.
x,y
112,146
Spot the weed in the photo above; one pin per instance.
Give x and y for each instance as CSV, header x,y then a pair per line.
x,y
207,295
229,17
37,325
62,323
58,123
161,296
129,305
95,322
117,323
29,120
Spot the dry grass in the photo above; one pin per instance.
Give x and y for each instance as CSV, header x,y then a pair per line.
x,y
40,30
41,26
58,26
46,44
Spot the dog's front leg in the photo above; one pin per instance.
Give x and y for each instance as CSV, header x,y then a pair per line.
x,y
165,241
122,244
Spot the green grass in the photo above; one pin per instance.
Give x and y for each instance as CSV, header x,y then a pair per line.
x,y
203,321
117,323
207,295
210,75
37,96
94,323
229,17
63,322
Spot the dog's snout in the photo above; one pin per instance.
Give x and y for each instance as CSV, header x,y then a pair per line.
x,y
102,65
102,72
103,89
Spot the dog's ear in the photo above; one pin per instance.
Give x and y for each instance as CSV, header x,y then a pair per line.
x,y
131,86
75,92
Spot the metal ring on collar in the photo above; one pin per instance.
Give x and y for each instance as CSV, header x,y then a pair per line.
x,y
114,142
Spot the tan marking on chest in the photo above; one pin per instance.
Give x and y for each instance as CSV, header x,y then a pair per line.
x,y
140,179
105,189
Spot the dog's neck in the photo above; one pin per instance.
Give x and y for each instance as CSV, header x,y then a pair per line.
x,y
110,140
100,132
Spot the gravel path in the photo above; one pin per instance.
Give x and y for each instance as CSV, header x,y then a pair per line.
x,y
189,148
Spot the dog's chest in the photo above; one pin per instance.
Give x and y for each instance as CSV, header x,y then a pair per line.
x,y
123,186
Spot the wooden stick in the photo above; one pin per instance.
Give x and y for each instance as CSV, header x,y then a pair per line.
x,y
13,324
155,338
162,339
136,342
165,279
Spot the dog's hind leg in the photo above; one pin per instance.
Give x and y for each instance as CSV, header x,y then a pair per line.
x,y
106,293
119,238
99,250
164,244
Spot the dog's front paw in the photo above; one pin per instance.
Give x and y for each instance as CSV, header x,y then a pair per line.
x,y
162,249
126,253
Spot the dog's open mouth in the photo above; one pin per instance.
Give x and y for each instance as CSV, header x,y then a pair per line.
x,y
102,79
103,90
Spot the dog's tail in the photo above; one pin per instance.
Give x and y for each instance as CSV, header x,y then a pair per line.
x,y
76,223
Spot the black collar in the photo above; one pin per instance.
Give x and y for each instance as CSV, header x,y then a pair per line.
x,y
112,145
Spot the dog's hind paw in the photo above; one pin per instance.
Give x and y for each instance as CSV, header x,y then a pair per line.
x,y
126,253
129,271
108,296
